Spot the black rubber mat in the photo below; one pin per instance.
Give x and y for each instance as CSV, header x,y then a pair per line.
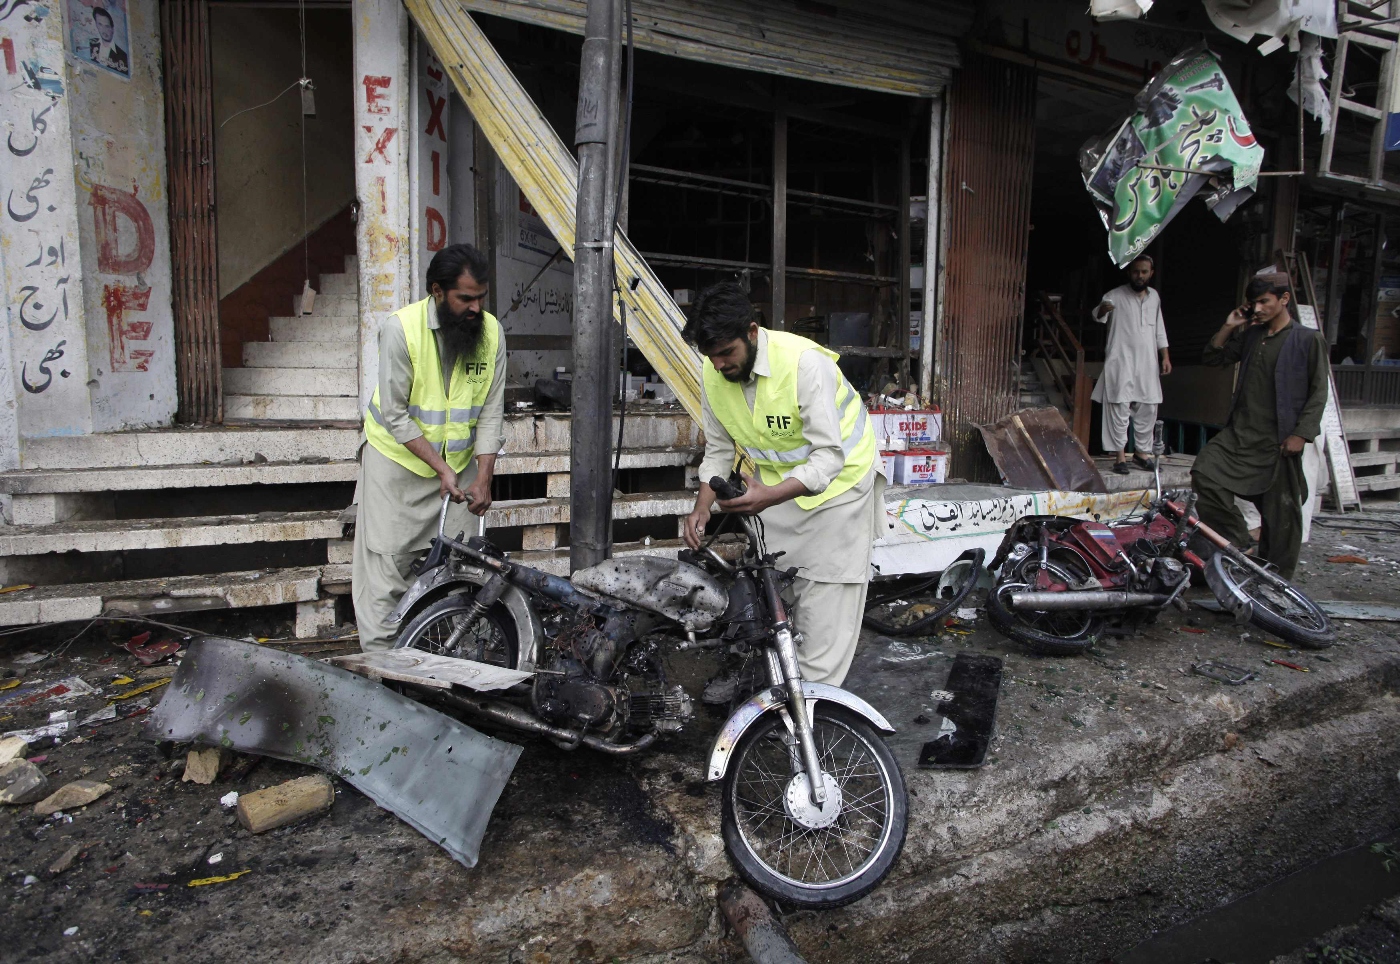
x,y
969,709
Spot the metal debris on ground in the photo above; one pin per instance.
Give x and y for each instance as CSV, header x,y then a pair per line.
x,y
1223,672
1284,662
140,689
1366,612
1349,559
1034,449
438,775
968,704
148,653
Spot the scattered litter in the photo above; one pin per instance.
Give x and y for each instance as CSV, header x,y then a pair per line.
x,y
104,715
967,615
1190,629
40,732
902,652
12,748
123,681
30,658
30,880
22,586
1356,560
63,716
70,932
22,782
1270,642
148,654
140,689
206,881
65,861
61,691
79,793
1223,672
941,696
1284,662
286,803
229,799
202,766
217,858
10,684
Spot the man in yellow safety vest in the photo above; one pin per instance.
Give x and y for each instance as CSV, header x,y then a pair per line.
x,y
779,402
433,428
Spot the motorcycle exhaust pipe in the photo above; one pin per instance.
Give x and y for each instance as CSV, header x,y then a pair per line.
x,y
507,714
1085,599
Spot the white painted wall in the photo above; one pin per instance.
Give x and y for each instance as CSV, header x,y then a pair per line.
x,y
381,81
45,369
119,172
548,307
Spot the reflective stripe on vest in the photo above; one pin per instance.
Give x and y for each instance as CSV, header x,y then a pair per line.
x,y
449,424
775,404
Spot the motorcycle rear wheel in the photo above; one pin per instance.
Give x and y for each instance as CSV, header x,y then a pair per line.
x,y
806,866
1275,605
1061,633
492,640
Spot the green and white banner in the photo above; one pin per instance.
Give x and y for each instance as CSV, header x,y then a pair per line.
x,y
1187,136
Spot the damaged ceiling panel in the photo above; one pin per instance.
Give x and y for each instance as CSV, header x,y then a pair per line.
x,y
898,47
437,775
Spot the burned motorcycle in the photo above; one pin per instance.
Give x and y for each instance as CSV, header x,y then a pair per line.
x,y
1063,581
814,804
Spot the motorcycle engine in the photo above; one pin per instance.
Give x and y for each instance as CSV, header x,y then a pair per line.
x,y
1166,574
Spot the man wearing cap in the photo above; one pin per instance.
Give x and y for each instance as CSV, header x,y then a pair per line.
x,y
1280,394
780,402
1129,388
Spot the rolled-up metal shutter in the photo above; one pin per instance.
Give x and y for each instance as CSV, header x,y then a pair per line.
x,y
895,46
987,190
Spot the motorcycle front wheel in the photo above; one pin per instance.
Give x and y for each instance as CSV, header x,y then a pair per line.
x,y
440,629
788,848
1275,604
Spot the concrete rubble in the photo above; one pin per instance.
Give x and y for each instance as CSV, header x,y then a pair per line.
x,y
1122,794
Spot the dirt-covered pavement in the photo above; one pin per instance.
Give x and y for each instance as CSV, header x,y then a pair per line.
x,y
1122,794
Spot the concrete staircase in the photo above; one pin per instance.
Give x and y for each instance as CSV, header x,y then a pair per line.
x,y
180,519
309,371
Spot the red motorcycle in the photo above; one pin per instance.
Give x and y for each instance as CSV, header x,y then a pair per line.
x,y
1063,581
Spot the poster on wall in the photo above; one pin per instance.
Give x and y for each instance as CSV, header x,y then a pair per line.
x,y
98,34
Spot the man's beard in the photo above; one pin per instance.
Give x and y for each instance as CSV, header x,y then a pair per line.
x,y
1137,285
746,369
461,332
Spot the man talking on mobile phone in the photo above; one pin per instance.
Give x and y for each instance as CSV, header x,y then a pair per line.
x,y
432,429
1280,394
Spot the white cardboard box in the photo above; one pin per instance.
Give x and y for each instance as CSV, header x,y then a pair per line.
x,y
917,427
919,467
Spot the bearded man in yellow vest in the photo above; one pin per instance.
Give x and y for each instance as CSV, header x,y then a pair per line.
x,y
433,428
779,401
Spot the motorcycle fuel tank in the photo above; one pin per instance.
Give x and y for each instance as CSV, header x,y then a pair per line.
x,y
668,587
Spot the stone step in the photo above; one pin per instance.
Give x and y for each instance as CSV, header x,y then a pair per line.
x,y
328,306
188,446
338,286
541,439
122,535
342,328
169,594
537,512
300,354
291,408
291,381
47,482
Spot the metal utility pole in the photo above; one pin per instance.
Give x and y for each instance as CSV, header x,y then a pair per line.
x,y
595,362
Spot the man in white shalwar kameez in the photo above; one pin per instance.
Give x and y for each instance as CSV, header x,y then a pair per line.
x,y
1130,388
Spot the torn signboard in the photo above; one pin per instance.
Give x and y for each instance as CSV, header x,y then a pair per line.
x,y
1034,449
434,773
1187,135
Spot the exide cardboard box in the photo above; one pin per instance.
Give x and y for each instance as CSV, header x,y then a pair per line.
x,y
918,427
919,466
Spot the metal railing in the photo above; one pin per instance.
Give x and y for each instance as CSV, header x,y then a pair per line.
x,y
1064,360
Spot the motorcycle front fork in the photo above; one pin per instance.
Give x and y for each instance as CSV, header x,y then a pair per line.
x,y
783,671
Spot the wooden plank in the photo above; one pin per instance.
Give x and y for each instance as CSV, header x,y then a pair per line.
x,y
548,175
778,259
409,665
1344,488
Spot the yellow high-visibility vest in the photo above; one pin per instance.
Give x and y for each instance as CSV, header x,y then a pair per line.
x,y
449,423
771,435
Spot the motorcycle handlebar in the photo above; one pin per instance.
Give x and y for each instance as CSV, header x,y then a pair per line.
x,y
732,489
